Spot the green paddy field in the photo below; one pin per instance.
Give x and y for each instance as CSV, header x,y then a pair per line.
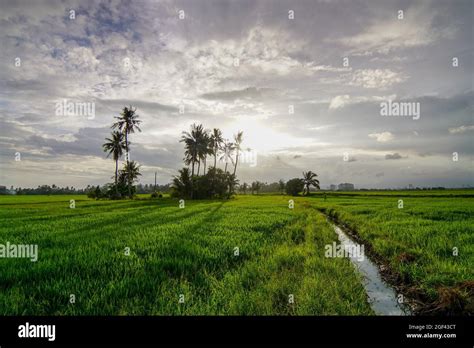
x,y
251,255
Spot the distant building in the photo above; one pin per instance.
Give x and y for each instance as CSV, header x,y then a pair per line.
x,y
345,187
333,187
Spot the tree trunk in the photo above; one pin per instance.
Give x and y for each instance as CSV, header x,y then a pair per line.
x,y
215,157
128,166
205,160
116,174
192,179
236,161
199,166
225,169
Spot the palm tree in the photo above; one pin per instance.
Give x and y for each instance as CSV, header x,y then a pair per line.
x,y
192,144
203,147
215,143
227,149
244,188
182,185
309,179
127,123
232,182
114,146
131,172
237,143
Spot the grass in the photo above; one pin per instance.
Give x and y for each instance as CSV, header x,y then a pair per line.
x,y
173,252
417,241
191,252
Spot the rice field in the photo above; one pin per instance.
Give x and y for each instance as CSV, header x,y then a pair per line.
x,y
180,261
251,255
427,240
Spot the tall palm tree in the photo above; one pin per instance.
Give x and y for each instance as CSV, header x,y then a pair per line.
x,y
127,123
205,148
309,179
202,136
227,148
215,143
114,146
237,143
192,143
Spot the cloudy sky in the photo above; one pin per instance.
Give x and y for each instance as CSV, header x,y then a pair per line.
x,y
304,81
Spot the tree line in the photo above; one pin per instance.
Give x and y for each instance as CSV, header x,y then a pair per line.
x,y
292,187
192,182
200,144
213,182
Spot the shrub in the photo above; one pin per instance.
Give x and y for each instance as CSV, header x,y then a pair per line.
x,y
294,186
214,184
156,194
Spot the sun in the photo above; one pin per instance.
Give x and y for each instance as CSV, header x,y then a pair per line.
x,y
259,135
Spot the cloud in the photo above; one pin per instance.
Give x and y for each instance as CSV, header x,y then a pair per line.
x,y
246,93
387,33
461,129
192,63
394,156
341,101
382,137
376,78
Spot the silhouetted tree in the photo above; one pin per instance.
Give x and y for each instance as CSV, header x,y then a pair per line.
x,y
127,123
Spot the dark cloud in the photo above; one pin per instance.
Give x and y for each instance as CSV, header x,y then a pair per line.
x,y
246,93
393,156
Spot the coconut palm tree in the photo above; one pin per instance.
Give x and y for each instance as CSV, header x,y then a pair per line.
x,y
309,179
227,148
114,146
203,147
192,144
130,172
127,123
232,183
182,185
237,143
215,143
206,150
